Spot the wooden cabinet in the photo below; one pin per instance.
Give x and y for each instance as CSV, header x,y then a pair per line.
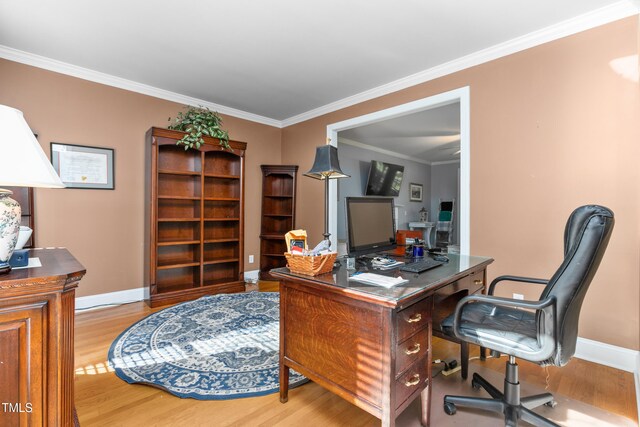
x,y
24,196
278,215
195,218
36,341
369,345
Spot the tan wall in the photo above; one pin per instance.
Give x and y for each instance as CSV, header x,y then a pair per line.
x,y
552,128
104,229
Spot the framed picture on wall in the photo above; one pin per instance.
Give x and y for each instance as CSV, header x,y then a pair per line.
x,y
80,166
415,192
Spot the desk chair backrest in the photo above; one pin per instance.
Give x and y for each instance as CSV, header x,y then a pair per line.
x,y
586,237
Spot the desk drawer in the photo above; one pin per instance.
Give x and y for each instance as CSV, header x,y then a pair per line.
x,y
464,286
416,378
409,351
413,318
475,282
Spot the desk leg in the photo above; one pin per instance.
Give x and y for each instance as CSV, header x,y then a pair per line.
x,y
425,394
284,383
425,406
283,374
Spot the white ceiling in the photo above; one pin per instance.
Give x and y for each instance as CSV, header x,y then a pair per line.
x,y
280,59
429,136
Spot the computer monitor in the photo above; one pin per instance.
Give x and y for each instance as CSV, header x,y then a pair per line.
x,y
370,225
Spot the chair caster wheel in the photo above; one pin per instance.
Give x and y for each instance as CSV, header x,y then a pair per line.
x,y
449,408
475,385
551,404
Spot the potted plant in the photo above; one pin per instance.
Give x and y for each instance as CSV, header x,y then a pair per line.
x,y
199,122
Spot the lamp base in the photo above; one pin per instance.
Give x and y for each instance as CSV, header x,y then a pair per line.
x,y
9,227
4,267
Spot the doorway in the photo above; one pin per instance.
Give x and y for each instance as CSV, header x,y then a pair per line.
x,y
460,96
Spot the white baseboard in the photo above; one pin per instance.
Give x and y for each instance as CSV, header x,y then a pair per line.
x,y
115,298
130,295
637,378
608,355
251,275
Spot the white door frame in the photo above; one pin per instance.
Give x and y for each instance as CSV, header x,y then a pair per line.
x,y
461,95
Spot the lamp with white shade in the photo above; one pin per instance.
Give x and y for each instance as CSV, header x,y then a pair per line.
x,y
22,164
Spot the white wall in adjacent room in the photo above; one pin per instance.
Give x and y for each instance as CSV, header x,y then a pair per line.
x,y
355,161
445,186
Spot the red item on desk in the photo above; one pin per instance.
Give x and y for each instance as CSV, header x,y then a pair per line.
x,y
401,240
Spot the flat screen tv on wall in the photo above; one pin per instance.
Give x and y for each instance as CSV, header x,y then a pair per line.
x,y
384,179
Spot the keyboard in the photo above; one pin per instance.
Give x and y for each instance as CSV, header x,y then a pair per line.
x,y
420,266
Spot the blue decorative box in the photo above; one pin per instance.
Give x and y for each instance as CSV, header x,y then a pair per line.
x,y
20,258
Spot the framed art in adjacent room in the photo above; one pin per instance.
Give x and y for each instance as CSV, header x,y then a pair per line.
x,y
415,192
81,166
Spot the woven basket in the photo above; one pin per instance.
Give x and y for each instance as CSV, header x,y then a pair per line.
x,y
310,265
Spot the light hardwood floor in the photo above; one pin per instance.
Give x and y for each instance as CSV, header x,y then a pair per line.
x,y
102,399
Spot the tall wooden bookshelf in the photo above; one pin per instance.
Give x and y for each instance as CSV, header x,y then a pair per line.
x,y
278,215
194,218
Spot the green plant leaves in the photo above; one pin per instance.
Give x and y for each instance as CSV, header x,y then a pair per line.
x,y
199,121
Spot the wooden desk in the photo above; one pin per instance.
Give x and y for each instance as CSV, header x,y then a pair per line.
x,y
369,345
36,341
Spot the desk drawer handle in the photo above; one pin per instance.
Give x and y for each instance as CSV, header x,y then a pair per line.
x,y
477,282
415,318
413,349
414,380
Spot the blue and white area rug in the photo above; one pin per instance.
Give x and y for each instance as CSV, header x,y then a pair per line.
x,y
217,347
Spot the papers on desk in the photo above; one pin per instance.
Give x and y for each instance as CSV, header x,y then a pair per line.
x,y
385,263
378,279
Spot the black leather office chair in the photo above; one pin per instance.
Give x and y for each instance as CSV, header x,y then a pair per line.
x,y
543,331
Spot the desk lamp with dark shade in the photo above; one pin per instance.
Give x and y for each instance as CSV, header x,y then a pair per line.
x,y
22,164
326,167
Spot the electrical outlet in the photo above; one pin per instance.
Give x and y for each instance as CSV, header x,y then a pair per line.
x,y
250,259
518,296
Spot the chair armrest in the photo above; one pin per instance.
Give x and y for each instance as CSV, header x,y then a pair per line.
x,y
506,302
495,281
545,326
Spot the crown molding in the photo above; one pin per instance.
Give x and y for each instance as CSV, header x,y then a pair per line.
x,y
380,150
109,80
605,15
614,12
446,162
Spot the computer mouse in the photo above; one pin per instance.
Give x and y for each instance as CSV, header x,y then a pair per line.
x,y
441,258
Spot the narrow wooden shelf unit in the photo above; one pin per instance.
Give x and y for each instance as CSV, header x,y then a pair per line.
x,y
278,215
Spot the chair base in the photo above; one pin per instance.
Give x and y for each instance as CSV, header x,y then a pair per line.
x,y
508,403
